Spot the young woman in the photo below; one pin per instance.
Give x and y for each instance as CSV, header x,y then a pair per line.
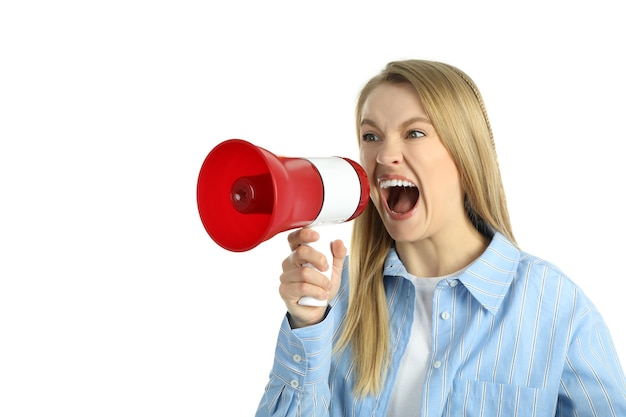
x,y
436,312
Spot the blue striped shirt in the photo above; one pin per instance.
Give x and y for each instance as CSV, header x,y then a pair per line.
x,y
519,338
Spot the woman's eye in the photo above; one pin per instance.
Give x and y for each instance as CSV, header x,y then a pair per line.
x,y
414,134
369,137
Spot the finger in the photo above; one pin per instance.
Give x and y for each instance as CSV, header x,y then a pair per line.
x,y
294,293
301,236
339,252
306,256
296,284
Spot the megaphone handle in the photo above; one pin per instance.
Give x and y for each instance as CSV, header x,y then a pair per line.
x,y
312,302
321,245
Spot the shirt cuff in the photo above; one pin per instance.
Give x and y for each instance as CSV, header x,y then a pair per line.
x,y
303,355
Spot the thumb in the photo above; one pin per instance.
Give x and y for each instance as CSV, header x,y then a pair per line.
x,y
339,252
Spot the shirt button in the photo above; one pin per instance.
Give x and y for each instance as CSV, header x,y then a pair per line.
x,y
297,358
453,283
294,383
437,364
445,315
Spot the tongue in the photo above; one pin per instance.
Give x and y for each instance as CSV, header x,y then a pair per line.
x,y
402,199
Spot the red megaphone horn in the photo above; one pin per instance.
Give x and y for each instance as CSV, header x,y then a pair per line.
x,y
246,194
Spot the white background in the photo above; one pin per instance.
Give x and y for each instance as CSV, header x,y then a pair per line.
x,y
113,298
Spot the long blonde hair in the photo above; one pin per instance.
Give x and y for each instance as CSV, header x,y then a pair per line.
x,y
457,112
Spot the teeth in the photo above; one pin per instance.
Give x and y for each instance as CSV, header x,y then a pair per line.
x,y
395,183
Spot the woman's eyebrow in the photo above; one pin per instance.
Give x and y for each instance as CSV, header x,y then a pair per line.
x,y
418,119
368,122
407,123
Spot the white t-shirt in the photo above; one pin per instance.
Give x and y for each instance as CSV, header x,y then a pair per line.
x,y
406,397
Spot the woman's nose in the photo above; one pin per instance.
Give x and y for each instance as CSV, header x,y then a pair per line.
x,y
390,153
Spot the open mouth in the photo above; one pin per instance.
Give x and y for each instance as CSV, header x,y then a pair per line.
x,y
401,195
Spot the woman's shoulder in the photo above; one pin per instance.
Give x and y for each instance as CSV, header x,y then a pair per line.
x,y
546,277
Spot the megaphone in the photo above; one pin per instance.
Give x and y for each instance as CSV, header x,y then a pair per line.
x,y
246,194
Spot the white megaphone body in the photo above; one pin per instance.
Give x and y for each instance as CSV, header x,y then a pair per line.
x,y
246,195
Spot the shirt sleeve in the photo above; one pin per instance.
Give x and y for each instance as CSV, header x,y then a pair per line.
x,y
298,383
593,381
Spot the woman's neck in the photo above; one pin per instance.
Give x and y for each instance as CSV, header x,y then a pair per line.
x,y
443,253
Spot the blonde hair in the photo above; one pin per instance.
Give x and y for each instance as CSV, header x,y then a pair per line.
x,y
457,112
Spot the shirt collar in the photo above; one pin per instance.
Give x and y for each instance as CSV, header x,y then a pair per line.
x,y
488,278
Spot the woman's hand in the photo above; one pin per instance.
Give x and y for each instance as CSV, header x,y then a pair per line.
x,y
299,280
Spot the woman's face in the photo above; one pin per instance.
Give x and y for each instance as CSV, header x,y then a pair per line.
x,y
414,182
